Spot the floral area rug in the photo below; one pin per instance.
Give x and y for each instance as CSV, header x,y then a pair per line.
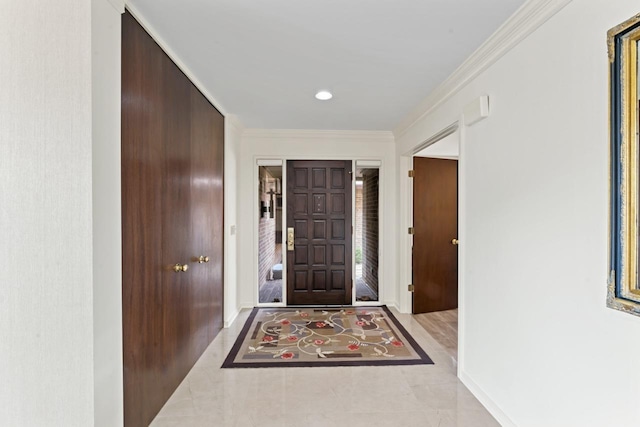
x,y
297,337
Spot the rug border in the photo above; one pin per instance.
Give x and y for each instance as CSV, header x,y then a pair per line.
x,y
229,360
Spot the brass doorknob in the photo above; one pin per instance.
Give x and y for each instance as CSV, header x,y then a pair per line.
x,y
203,258
180,267
455,242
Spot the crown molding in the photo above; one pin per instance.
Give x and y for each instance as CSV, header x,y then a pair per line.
x,y
118,5
528,18
174,57
310,134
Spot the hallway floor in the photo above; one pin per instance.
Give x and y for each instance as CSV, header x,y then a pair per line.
x,y
443,327
403,396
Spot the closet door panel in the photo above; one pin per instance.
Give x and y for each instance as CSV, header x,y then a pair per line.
x,y
143,265
176,227
207,134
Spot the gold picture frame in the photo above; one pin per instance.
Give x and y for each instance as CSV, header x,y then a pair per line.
x,y
623,287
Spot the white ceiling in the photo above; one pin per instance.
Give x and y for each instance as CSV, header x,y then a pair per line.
x,y
264,60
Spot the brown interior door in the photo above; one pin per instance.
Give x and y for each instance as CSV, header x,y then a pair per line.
x,y
172,212
435,221
319,212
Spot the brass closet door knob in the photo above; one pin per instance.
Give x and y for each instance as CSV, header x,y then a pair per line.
x,y
203,258
455,242
180,267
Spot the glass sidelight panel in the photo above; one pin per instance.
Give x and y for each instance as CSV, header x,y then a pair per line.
x,y
270,250
366,230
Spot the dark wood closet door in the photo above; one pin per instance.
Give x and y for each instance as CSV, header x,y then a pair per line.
x,y
319,211
207,198
142,203
172,212
177,287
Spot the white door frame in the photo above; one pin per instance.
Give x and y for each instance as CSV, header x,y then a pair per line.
x,y
406,220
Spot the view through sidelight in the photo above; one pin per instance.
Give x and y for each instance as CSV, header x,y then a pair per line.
x,y
367,230
270,232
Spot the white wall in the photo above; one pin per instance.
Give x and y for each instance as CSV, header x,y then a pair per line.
x,y
232,137
313,145
107,224
540,348
46,295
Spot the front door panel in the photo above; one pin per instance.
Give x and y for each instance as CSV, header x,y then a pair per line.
x,y
319,212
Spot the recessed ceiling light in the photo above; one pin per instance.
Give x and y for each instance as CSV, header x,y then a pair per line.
x,y
324,95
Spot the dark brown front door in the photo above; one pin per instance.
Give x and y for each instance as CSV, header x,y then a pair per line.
x,y
319,212
435,221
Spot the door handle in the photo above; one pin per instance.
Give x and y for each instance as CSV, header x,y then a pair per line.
x,y
455,242
290,238
180,267
203,258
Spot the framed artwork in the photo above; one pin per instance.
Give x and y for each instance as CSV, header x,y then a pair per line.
x,y
624,45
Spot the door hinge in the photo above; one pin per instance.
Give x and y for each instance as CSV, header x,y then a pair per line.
x,y
412,230
412,173
411,288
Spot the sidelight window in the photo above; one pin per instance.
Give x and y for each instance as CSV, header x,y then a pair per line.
x,y
270,250
367,229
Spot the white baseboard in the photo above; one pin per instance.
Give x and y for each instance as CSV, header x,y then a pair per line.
x,y
393,305
486,401
232,318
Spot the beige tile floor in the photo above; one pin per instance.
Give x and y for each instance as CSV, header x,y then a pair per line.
x,y
424,395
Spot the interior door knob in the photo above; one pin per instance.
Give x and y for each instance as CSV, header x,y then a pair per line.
x,y
455,242
203,258
180,267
